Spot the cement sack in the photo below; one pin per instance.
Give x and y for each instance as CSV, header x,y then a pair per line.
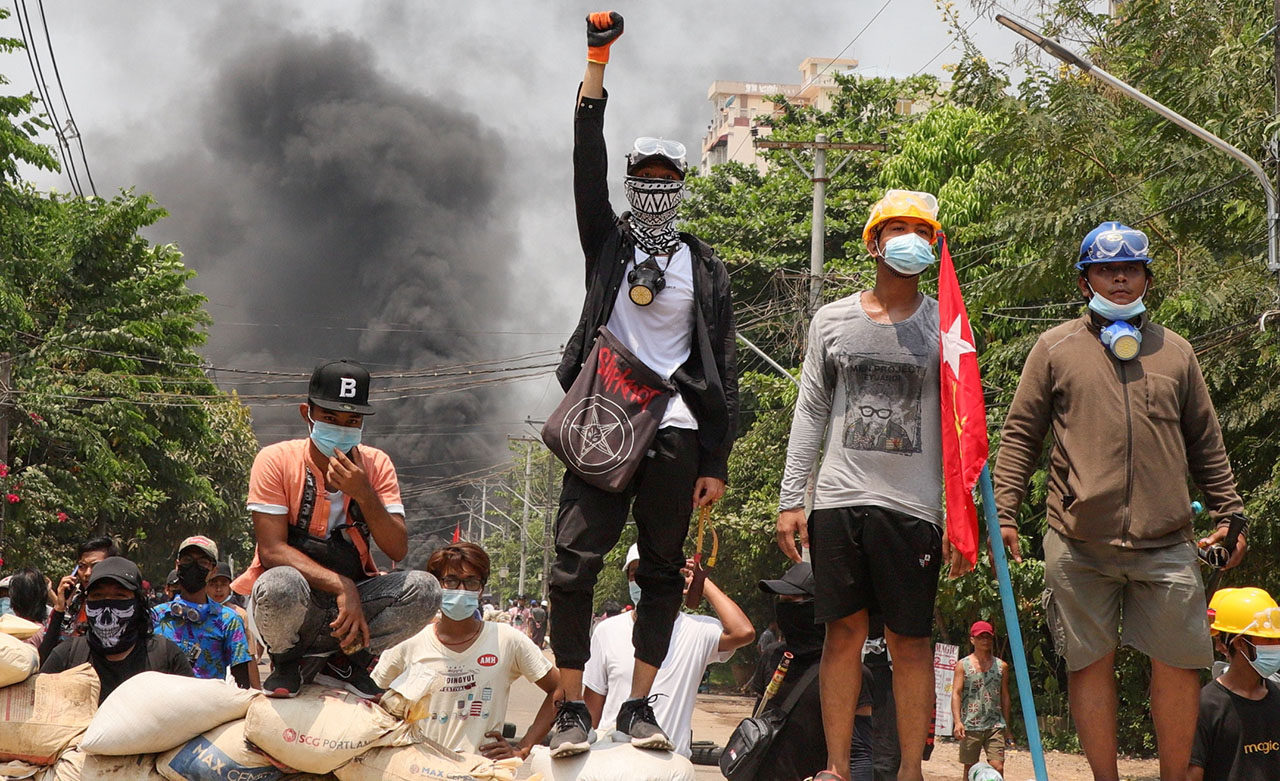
x,y
101,767
320,729
69,767
46,714
218,755
153,712
18,660
609,761
425,760
17,627
310,777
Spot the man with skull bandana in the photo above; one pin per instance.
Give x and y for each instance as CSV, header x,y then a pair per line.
x,y
675,313
119,643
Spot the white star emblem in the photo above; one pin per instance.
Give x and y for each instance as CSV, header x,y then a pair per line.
x,y
595,435
954,346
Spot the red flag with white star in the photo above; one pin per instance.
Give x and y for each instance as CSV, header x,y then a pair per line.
x,y
964,415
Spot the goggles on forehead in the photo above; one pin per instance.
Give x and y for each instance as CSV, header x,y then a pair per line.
x,y
648,146
1124,243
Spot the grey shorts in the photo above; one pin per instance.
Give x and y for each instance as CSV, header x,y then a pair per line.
x,y
1098,596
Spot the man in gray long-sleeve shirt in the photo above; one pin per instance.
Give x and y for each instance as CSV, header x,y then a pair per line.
x,y
870,379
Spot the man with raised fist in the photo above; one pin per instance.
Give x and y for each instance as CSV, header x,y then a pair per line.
x,y
663,295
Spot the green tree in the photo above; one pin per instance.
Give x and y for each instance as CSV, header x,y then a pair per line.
x,y
114,427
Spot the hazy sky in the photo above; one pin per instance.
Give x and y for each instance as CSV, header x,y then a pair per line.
x,y
390,181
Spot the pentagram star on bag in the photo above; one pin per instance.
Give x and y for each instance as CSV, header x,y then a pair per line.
x,y
607,421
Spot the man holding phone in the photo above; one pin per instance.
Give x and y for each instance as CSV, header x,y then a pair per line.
x,y
68,617
319,505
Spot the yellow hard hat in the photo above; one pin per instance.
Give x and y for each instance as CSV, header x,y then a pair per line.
x,y
903,203
1244,611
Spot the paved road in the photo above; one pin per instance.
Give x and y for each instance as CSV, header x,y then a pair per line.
x,y
714,717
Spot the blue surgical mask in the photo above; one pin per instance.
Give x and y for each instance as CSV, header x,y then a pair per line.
x,y
329,437
458,603
1266,659
908,254
1110,310
634,588
4,606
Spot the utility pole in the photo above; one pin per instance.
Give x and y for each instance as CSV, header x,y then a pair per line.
x,y
819,177
524,525
548,532
484,507
6,404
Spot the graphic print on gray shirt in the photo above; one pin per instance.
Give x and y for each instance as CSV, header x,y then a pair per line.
x,y
874,386
882,404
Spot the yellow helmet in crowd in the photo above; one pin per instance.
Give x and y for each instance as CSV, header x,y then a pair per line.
x,y
903,203
1244,611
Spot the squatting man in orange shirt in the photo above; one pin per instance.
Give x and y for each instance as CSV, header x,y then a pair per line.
x,y
317,503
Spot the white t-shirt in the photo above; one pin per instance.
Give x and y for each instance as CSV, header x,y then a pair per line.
x,y
478,680
694,642
661,333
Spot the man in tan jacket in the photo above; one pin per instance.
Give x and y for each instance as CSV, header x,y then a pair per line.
x,y
1131,419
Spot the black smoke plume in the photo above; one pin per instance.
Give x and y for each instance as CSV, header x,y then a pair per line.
x,y
326,198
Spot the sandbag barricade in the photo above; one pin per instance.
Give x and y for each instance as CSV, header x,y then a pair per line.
x,y
425,759
14,769
16,626
218,755
153,712
609,761
46,714
69,767
103,767
320,729
18,660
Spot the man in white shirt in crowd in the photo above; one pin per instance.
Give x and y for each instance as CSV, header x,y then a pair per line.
x,y
696,641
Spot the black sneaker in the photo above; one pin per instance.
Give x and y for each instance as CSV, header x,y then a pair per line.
x,y
285,679
635,718
339,673
571,733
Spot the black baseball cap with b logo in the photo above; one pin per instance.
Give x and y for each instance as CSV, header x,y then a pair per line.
x,y
340,386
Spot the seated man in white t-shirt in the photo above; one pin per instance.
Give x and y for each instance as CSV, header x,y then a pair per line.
x,y
478,660
696,641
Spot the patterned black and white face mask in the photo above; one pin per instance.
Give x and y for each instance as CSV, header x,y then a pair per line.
x,y
654,203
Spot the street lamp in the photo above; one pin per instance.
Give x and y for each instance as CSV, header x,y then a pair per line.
x,y
1071,58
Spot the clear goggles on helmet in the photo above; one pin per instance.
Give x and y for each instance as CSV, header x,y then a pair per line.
x,y
1266,620
648,146
1117,243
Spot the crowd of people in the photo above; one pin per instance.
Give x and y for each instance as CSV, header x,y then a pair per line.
x,y
860,517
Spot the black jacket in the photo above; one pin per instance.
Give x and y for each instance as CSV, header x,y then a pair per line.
x,y
708,381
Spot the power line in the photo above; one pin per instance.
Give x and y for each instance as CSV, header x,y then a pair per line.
x,y
847,45
37,73
71,120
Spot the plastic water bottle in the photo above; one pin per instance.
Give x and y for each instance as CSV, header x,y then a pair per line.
x,y
984,772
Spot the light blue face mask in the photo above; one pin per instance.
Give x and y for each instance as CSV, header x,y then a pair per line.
x,y
1113,311
634,588
1266,659
908,254
458,603
329,437
4,606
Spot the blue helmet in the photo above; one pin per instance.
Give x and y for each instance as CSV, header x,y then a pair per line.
x,y
1113,241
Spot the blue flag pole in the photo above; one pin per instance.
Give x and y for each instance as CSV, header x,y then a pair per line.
x,y
1001,566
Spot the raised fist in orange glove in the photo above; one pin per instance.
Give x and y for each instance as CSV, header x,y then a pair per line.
x,y
603,28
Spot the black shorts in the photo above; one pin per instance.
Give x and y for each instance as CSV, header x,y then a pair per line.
x,y
877,559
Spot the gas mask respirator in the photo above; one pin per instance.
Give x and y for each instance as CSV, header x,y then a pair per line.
x,y
647,280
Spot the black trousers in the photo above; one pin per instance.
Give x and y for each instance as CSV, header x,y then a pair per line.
x,y
590,521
